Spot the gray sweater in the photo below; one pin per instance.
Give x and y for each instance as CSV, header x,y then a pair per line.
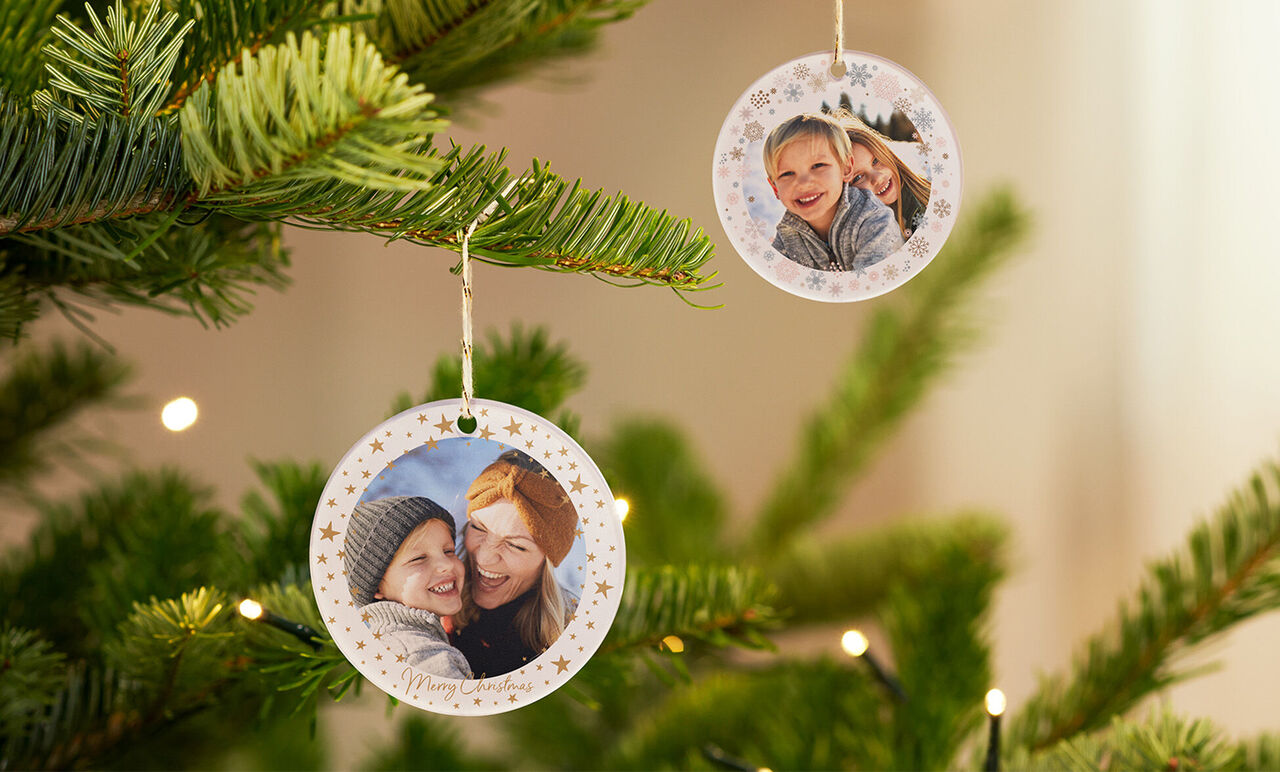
x,y
418,636
863,232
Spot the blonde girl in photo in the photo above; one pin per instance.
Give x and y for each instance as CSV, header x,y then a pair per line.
x,y
876,168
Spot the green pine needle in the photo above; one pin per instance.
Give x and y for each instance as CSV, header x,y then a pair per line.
x,y
719,605
452,46
1261,752
652,465
25,26
818,714
209,272
227,28
1229,571
1164,741
44,389
55,173
273,530
121,68
905,349
857,573
31,674
84,717
308,111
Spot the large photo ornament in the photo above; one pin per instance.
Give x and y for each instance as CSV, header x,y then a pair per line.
x,y
467,572
837,188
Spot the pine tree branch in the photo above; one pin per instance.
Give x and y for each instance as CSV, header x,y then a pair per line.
x,y
308,110
223,37
650,464
44,389
937,632
904,351
25,26
722,605
102,532
1163,741
1229,571
209,271
120,69
270,530
796,715
143,203
31,674
55,171
859,573
451,49
84,716
1261,752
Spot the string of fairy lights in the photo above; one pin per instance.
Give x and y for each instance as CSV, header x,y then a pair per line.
x,y
181,413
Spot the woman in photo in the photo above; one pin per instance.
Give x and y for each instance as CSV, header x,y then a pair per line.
x,y
878,169
520,525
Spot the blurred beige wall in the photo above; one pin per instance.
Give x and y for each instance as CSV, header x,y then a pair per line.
x,y
1126,382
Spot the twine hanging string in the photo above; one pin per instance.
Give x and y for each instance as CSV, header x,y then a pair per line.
x,y
838,67
468,386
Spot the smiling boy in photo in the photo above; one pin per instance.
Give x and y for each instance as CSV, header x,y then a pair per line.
x,y
403,573
830,225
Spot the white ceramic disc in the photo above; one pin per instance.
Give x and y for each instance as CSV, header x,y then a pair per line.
x,y
914,129
423,452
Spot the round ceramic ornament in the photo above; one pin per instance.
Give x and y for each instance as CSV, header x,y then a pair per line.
x,y
827,219
429,537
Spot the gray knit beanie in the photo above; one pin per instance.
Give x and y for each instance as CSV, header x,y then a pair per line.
x,y
376,531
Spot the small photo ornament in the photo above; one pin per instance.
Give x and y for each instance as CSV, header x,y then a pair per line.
x,y
825,218
467,572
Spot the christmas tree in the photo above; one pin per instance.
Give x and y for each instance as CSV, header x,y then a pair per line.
x,y
153,162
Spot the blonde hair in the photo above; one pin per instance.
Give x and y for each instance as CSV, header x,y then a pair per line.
x,y
799,127
541,619
914,186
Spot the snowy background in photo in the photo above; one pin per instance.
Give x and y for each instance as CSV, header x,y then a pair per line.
x,y
444,475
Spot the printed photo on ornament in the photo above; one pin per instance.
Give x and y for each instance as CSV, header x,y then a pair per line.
x,y
837,188
849,198
463,559
478,591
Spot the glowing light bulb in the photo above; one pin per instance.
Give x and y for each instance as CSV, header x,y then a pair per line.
x,y
854,643
179,414
623,508
250,609
995,702
673,644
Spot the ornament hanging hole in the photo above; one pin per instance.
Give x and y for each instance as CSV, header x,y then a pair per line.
x,y
467,425
838,69
430,467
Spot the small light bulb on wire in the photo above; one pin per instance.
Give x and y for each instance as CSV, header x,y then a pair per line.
x,y
623,508
995,702
253,611
995,708
854,643
250,609
179,414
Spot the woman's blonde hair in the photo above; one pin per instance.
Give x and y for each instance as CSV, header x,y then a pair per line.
x,y
914,193
799,127
539,621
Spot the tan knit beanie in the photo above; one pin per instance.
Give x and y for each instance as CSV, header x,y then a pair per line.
x,y
541,502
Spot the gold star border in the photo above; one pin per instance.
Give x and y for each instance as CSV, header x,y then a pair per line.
x,y
406,435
